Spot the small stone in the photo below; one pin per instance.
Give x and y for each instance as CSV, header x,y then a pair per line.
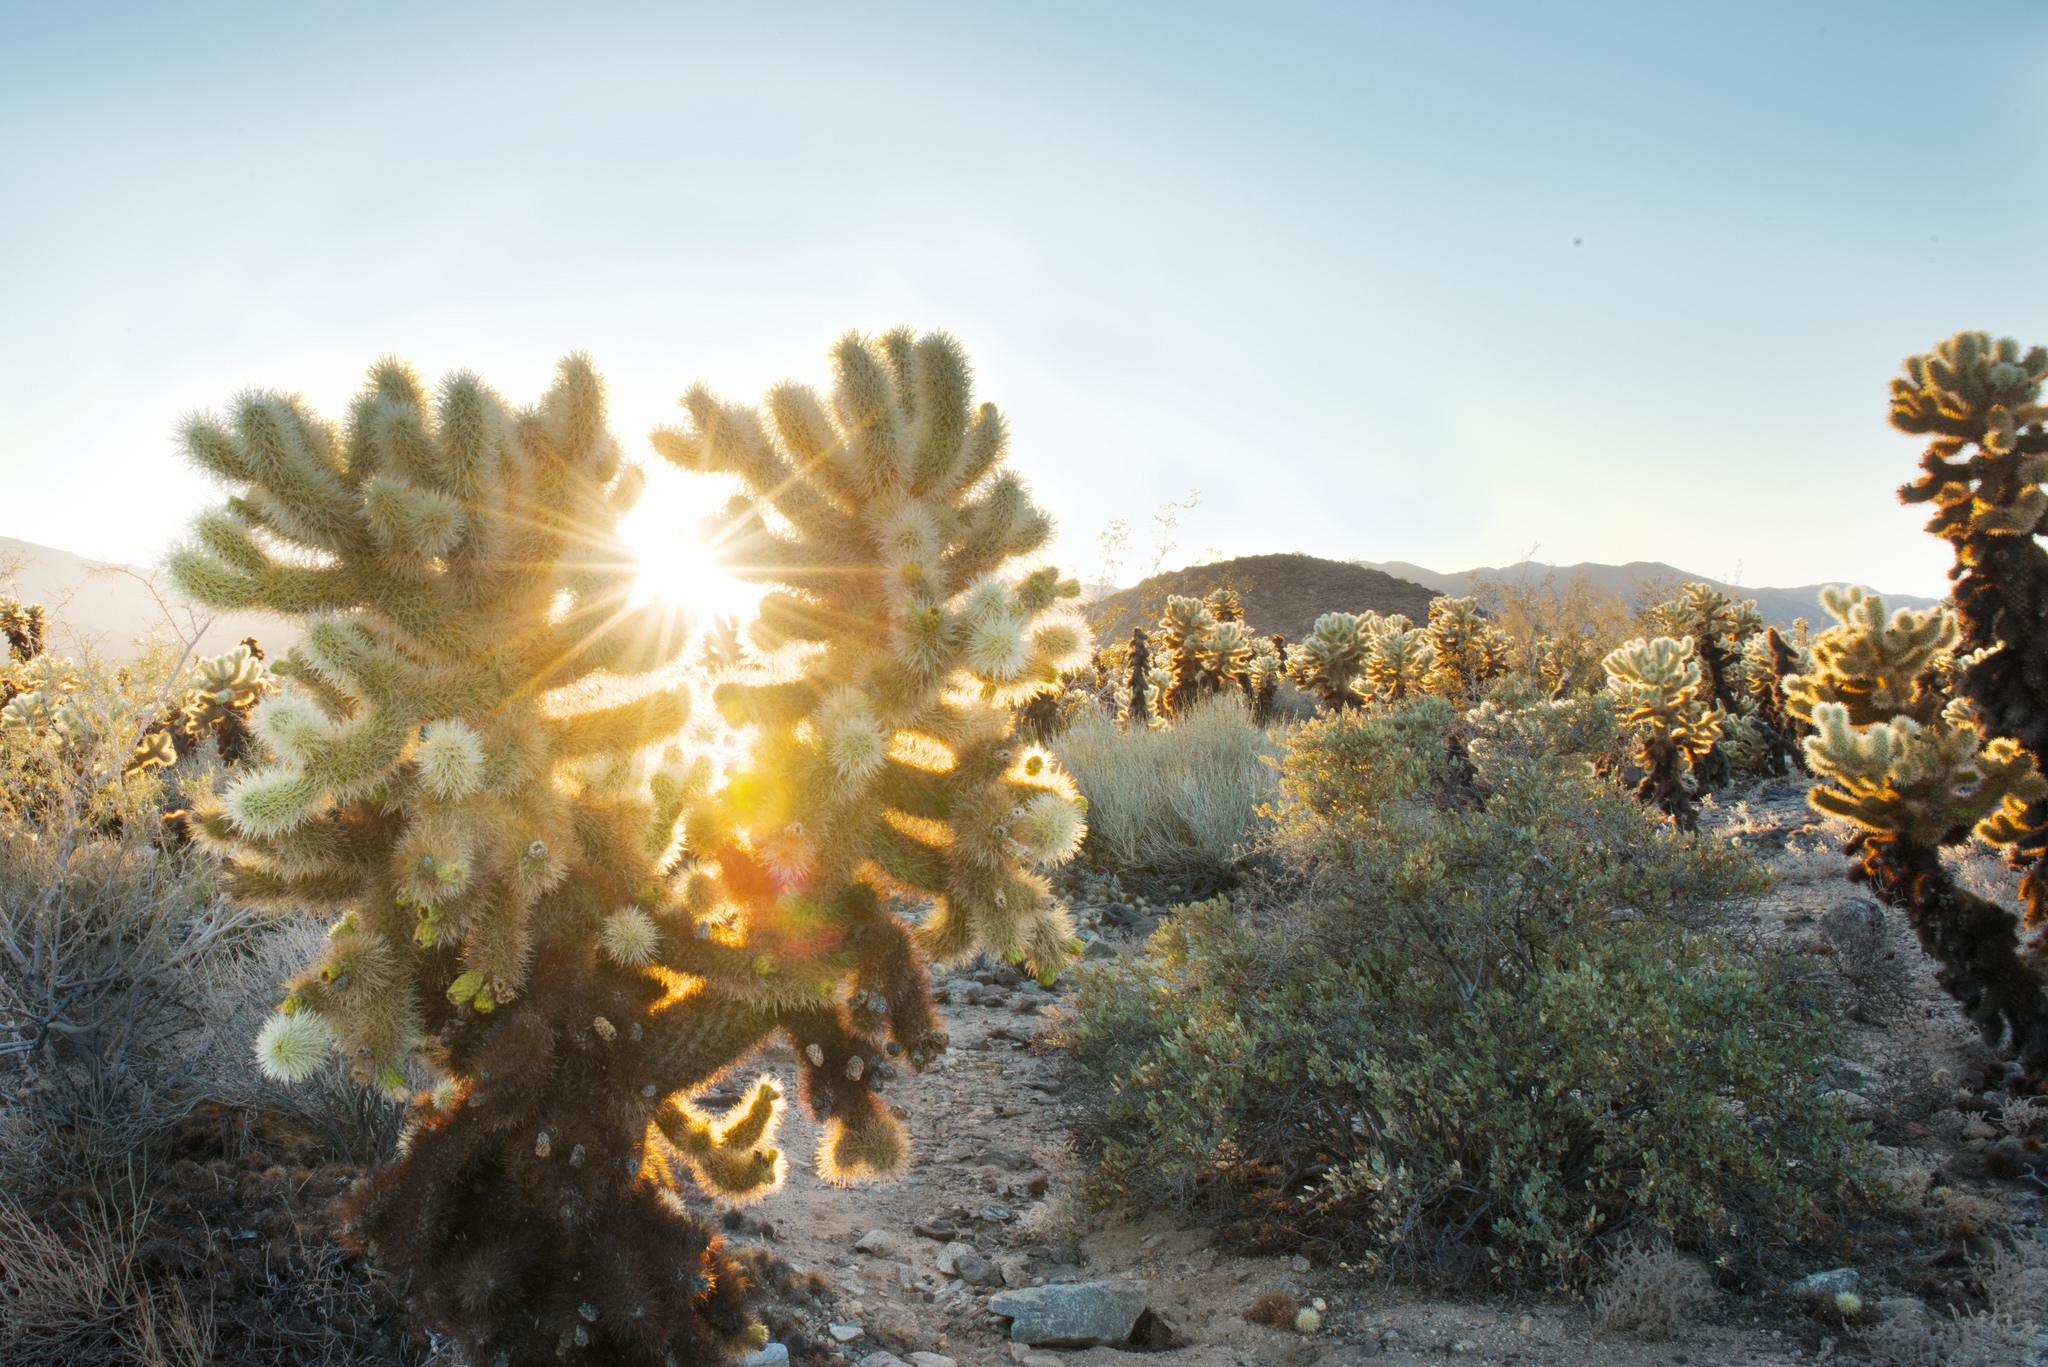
x,y
1301,1264
1465,1346
942,1230
1014,1273
1099,949
845,1333
774,1355
1042,1360
1351,1353
879,1243
1830,1283
1153,1241
948,1253
995,1211
882,1359
932,1360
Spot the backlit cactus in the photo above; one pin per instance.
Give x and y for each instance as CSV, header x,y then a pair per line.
x,y
1331,658
1400,659
463,787
886,765
1184,631
1908,765
24,625
216,707
1467,650
1660,692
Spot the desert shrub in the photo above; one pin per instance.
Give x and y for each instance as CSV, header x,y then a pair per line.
x,y
1650,1292
2014,1282
1480,1018
1179,801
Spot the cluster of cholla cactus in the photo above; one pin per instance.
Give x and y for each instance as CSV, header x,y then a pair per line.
x,y
546,908
1742,660
1349,660
1931,726
1659,691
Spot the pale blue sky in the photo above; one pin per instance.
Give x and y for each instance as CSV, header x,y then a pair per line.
x,y
1317,261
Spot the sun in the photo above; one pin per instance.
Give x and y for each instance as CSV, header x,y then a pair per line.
x,y
675,563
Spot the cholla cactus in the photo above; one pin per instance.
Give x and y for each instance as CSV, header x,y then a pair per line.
x,y
23,624
1225,658
1658,689
1909,766
1263,673
1184,630
1400,659
722,649
462,787
887,765
1135,700
1331,658
1768,660
1223,604
218,705
1468,650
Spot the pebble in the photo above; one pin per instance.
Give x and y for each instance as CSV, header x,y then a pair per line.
x,y
845,1333
1301,1264
1465,1346
942,1230
995,1211
882,1359
932,1360
1042,1360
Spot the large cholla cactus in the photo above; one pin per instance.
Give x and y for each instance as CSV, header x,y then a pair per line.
x,y
1184,629
1400,658
1907,764
1972,391
886,765
1659,690
460,787
1329,660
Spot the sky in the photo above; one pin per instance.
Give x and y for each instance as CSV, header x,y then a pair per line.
x,y
1447,283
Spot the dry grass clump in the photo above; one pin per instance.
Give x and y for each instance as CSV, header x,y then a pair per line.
x,y
1275,1308
1179,801
1651,1293
1874,975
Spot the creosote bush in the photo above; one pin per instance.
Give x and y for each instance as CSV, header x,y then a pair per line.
x,y
1483,1018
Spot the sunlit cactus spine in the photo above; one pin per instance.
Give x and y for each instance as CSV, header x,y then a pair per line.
x,y
886,764
1908,765
463,790
1659,691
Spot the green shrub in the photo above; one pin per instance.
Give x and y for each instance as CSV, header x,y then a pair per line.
x,y
1480,1020
1179,802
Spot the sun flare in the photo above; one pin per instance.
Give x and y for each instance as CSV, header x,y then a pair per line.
x,y
664,530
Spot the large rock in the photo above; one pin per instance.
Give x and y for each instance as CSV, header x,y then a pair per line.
x,y
1834,1282
1073,1315
976,1270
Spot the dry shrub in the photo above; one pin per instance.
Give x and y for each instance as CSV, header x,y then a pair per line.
x,y
1651,1293
1178,801
2014,1283
1275,1308
65,1301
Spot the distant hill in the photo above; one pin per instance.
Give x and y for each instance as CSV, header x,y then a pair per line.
x,y
105,612
1280,593
1779,606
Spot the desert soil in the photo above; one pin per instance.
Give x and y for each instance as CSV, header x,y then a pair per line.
x,y
989,1124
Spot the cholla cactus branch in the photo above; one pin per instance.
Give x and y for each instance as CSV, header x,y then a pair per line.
x,y
1659,690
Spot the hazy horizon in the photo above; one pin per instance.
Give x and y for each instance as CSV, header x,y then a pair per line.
x,y
1433,286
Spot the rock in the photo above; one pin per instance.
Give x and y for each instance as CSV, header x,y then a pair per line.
x,y
1099,949
1015,1273
976,1270
1015,1162
883,1359
879,1243
932,1360
1831,1283
774,1355
1041,1360
1072,1314
942,1230
1908,1308
1154,1333
1301,1264
1038,1184
995,1211
948,1253
845,1333
1461,1346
